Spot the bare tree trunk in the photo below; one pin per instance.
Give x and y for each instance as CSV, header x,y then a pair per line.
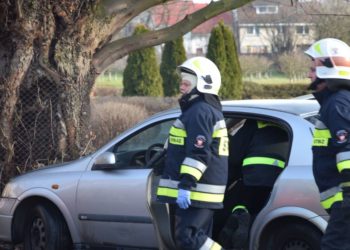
x,y
17,66
45,84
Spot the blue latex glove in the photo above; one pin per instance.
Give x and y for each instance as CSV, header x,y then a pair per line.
x,y
183,198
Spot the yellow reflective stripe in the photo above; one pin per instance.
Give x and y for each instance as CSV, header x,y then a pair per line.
x,y
197,64
191,171
262,124
220,133
223,146
207,197
164,191
176,140
343,165
327,203
343,73
345,184
319,142
263,160
322,133
239,207
317,48
197,196
178,132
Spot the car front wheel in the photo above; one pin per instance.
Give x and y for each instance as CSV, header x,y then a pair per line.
x,y
295,237
46,229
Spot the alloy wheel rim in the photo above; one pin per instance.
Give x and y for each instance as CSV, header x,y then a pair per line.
x,y
38,234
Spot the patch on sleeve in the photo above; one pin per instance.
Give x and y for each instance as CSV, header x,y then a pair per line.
x,y
200,141
342,136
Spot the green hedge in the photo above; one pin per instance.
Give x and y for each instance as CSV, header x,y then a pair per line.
x,y
253,90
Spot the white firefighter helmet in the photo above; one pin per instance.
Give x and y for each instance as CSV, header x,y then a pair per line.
x,y
208,74
332,57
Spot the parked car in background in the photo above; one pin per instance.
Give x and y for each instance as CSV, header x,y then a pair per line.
x,y
106,199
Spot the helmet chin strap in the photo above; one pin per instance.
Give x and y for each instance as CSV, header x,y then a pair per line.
x,y
314,84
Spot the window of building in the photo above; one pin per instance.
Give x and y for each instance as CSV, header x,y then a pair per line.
x,y
266,9
257,49
253,30
302,29
199,52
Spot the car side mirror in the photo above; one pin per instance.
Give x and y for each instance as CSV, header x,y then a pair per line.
x,y
105,161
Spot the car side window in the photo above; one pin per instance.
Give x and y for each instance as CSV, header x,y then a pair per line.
x,y
131,153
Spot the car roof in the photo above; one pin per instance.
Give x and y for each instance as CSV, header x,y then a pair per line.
x,y
299,107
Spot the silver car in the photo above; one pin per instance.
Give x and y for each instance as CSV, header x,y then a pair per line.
x,y
106,199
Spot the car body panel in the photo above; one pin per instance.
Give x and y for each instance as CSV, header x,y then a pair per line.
x,y
121,217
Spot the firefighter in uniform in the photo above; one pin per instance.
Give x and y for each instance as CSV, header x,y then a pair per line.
x,y
195,173
331,143
258,151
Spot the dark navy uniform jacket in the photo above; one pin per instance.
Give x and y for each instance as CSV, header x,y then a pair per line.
x,y
196,155
258,153
331,145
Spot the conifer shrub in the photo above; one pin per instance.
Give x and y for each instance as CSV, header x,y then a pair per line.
x,y
216,51
141,76
232,87
173,55
222,51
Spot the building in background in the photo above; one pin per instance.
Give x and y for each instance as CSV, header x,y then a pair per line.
x,y
267,27
196,41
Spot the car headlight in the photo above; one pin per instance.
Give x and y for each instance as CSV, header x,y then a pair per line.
x,y
8,191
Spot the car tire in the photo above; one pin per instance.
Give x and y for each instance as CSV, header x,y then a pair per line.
x,y
294,237
46,229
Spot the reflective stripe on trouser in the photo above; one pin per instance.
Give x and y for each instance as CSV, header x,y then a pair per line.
x,y
330,196
202,192
321,135
343,161
193,167
264,161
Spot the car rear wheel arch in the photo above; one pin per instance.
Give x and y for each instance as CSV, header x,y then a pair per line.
x,y
286,232
23,212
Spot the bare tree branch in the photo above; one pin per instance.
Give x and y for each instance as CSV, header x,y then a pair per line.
x,y
115,50
113,7
121,12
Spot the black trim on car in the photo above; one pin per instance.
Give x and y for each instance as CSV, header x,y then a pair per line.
x,y
115,218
